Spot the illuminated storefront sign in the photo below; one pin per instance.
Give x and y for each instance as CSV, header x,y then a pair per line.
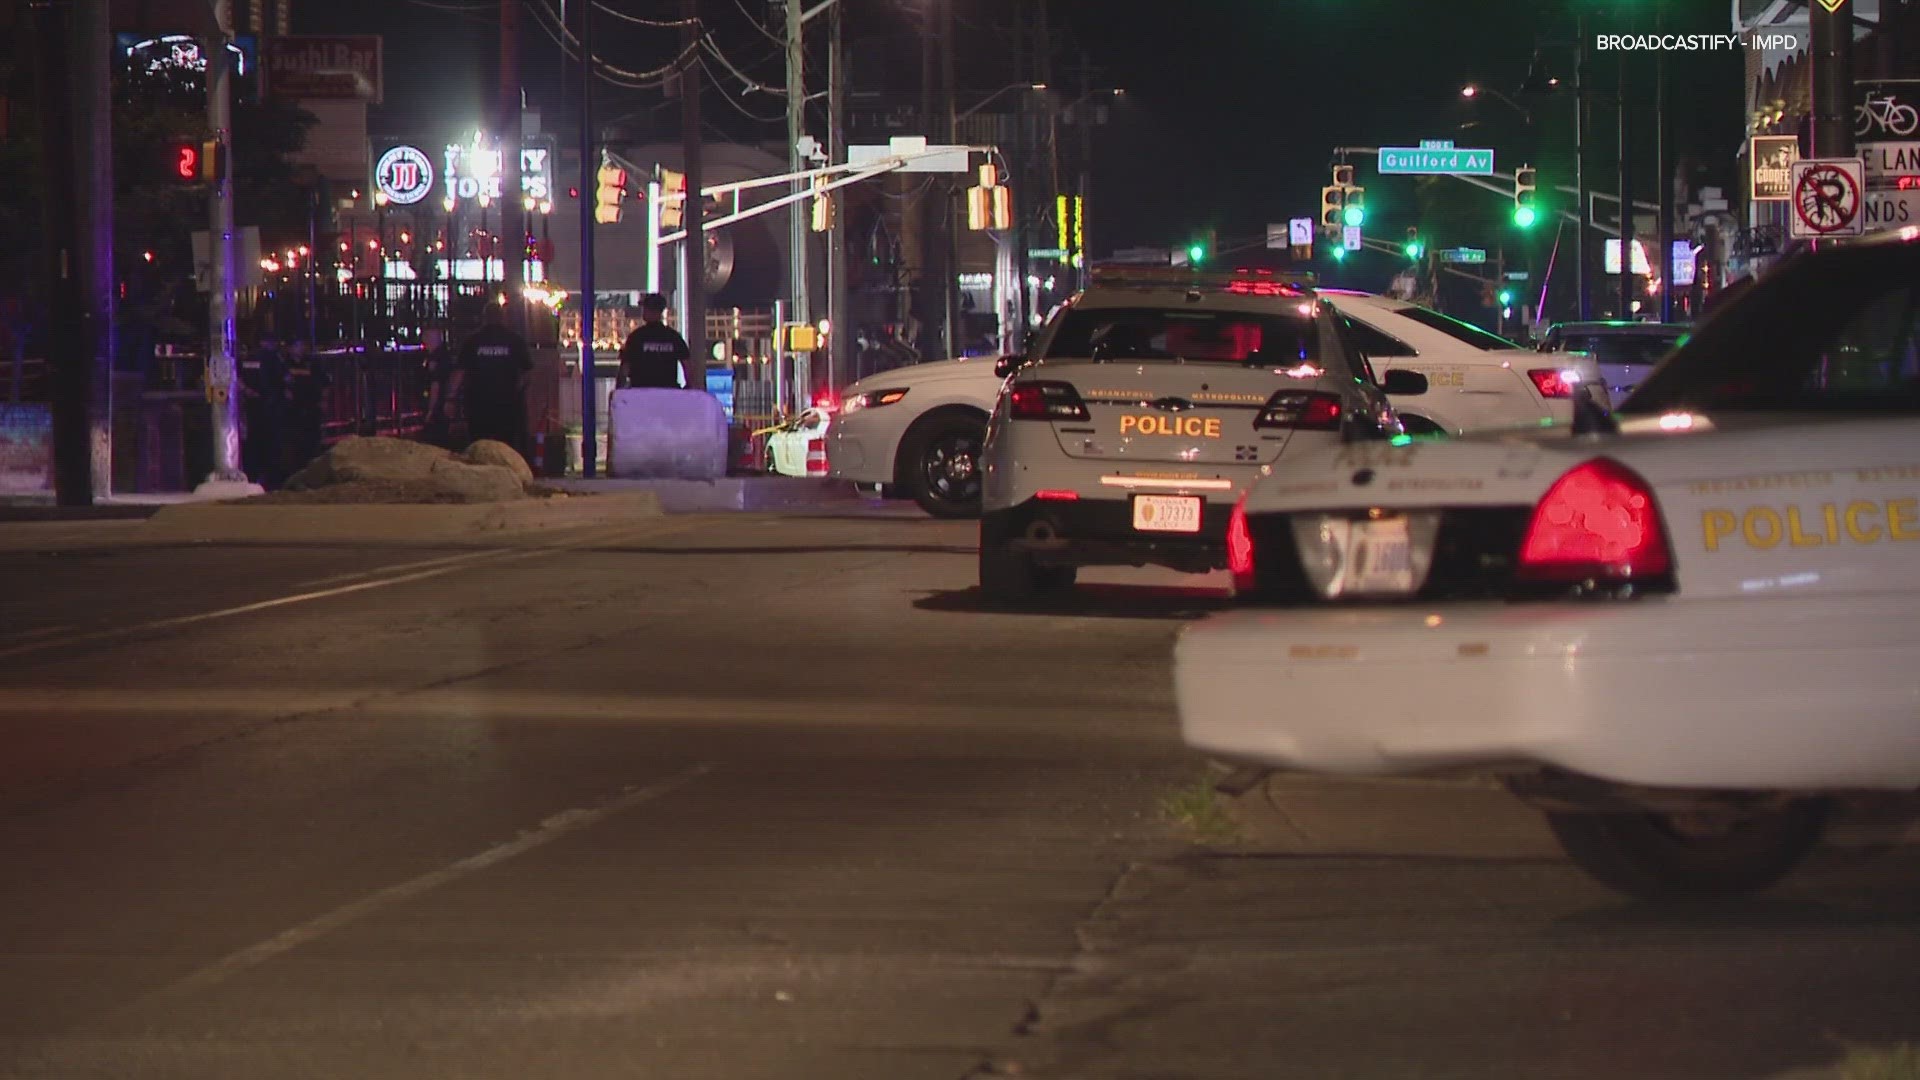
x,y
404,175
472,173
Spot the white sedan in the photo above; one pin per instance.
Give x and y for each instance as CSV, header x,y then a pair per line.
x,y
798,447
1680,638
917,431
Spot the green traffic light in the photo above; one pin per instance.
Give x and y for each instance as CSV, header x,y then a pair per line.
x,y
1196,253
1506,297
1355,216
1339,253
1525,216
1413,249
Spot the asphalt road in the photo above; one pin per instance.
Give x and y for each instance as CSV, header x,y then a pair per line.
x,y
772,796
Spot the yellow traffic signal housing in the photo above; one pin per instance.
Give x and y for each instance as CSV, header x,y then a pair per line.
x,y
1343,176
610,194
1333,201
1002,207
822,207
673,199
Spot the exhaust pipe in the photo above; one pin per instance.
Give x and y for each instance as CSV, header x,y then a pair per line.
x,y
1041,531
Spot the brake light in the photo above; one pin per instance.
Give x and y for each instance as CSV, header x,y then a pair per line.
x,y
1240,547
1597,521
1057,495
1046,401
1302,410
1553,382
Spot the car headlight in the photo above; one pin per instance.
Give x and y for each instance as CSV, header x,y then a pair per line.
x,y
872,400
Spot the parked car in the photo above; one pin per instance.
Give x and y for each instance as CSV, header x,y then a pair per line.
x,y
1682,636
1626,352
798,446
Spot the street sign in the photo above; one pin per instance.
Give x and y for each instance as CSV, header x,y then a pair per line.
x,y
1885,110
1826,197
1350,237
1276,236
1463,255
1436,160
1518,275
1889,209
920,156
1046,253
1891,165
1770,159
1300,230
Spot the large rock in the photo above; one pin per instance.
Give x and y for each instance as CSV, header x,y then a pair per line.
x,y
494,452
382,458
476,483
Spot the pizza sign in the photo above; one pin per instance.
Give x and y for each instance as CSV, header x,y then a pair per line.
x,y
1826,197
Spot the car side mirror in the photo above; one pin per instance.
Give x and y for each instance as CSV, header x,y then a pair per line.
x,y
1400,382
1007,365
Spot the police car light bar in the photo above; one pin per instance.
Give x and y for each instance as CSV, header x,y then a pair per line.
x,y
1135,276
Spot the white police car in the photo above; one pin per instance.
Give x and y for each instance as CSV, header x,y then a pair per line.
x,y
1680,638
1148,404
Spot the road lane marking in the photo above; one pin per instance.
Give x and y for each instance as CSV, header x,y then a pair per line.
x,y
513,555
355,575
29,635
553,828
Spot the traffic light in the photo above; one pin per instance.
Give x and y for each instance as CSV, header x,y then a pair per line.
x,y
1339,252
1524,211
990,205
1413,247
1333,201
1355,213
610,194
673,199
1343,176
1196,253
822,206
1506,298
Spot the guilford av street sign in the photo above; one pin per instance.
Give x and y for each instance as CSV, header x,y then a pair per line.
x,y
1435,156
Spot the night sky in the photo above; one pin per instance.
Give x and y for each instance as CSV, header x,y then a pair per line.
x,y
1232,107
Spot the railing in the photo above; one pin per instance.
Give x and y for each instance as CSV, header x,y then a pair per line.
x,y
373,392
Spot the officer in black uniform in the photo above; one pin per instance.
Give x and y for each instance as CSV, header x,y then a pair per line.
x,y
494,368
656,355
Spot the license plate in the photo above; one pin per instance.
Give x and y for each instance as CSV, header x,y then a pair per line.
x,y
1166,513
1380,558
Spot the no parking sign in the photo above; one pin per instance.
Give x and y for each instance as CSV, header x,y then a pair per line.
x,y
1826,197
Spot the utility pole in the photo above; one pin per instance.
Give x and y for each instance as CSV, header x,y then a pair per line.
x,y
950,261
93,132
932,322
1663,175
513,221
1626,198
1832,50
797,224
589,407
693,252
68,327
222,374
1582,126
839,325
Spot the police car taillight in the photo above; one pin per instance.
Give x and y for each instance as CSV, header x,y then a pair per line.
x,y
1240,547
1046,401
1599,522
1553,382
1301,410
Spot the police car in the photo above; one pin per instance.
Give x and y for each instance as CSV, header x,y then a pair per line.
x,y
1681,636
1148,404
917,431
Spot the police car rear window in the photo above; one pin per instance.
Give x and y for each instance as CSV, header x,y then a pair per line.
x,y
1232,337
1455,329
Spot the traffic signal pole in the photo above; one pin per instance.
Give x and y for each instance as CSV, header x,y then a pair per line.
x,y
222,373
693,253
589,408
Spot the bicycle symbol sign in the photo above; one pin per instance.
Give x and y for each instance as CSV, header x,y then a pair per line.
x,y
1884,114
1826,197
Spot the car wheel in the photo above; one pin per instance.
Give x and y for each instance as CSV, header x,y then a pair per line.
x,y
1007,574
942,465
1679,857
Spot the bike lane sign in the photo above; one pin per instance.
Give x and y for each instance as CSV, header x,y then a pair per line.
x,y
1827,193
1886,110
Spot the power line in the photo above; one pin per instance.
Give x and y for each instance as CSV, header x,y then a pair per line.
x,y
738,107
665,24
764,32
638,80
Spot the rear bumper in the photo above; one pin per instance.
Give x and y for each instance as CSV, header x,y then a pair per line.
x,y
1100,532
1783,694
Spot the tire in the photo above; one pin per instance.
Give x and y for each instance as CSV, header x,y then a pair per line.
x,y
1007,576
1647,857
940,465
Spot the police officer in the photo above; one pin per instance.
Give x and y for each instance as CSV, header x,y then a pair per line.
x,y
656,355
494,368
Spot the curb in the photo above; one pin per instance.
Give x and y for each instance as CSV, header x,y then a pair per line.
x,y
743,493
393,521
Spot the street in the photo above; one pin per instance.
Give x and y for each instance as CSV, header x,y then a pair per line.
x,y
772,795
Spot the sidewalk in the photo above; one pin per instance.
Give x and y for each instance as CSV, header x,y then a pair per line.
x,y
730,493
